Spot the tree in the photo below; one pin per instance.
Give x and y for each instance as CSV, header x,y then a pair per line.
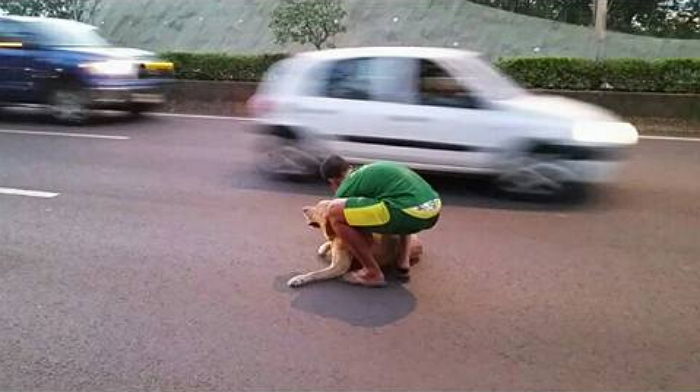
x,y
307,21
679,18
80,10
665,18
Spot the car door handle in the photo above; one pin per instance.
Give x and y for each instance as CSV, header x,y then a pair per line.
x,y
408,118
316,111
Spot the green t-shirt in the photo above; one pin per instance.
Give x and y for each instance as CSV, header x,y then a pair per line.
x,y
394,184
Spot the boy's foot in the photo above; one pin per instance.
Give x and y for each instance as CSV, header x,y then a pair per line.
x,y
361,279
403,274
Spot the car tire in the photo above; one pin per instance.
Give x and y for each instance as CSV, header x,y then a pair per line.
x,y
286,158
69,105
139,108
539,178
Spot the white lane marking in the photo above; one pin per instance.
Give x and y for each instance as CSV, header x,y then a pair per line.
x,y
671,138
26,192
201,116
64,134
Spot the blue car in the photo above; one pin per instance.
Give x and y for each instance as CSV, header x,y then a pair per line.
x,y
69,68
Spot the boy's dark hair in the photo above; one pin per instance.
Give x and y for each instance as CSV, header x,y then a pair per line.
x,y
333,167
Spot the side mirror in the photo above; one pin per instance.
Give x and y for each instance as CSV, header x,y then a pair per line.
x,y
476,102
469,101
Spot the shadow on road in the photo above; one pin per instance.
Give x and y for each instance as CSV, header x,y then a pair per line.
x,y
357,306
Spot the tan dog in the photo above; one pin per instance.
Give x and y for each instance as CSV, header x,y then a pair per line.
x,y
385,248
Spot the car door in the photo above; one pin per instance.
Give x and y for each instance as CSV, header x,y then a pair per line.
x,y
383,108
15,82
337,105
396,127
350,102
446,126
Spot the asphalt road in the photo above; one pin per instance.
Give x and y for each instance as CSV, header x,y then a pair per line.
x,y
160,265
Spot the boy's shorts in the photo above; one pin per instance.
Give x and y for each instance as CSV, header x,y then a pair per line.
x,y
375,216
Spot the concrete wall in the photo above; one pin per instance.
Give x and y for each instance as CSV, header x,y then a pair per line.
x,y
215,98
242,26
678,106
229,98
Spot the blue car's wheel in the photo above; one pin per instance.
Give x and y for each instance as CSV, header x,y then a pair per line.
x,y
69,105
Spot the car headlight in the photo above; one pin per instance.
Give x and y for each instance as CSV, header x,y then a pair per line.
x,y
112,68
609,132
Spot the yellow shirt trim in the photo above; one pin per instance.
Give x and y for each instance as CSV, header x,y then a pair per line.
x,y
426,210
374,215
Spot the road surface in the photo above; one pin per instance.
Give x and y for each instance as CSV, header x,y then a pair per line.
x,y
148,255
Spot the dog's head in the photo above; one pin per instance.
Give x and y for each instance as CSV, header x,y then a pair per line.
x,y
317,216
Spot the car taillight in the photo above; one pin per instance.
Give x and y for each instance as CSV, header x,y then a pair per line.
x,y
259,105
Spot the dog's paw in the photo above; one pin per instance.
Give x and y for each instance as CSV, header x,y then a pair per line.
x,y
297,281
324,248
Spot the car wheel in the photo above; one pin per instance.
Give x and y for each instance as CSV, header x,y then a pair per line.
x,y
286,158
537,177
69,105
140,108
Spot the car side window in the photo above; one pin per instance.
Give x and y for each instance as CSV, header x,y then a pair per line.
x,y
438,88
393,79
349,79
386,79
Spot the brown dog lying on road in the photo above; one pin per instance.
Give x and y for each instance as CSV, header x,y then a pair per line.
x,y
385,248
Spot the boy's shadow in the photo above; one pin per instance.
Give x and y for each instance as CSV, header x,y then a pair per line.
x,y
357,306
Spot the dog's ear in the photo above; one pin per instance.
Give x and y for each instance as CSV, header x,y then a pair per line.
x,y
328,229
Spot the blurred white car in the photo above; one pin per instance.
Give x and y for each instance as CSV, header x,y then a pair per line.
x,y
433,109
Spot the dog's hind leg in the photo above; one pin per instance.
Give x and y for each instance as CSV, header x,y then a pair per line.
x,y
340,264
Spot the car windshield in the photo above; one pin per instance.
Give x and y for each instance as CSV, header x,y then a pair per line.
x,y
482,77
67,33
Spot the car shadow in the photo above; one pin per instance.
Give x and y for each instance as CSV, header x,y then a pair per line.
x,y
479,192
356,306
462,191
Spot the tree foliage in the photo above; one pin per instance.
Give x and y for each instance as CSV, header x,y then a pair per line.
x,y
80,10
307,21
665,18
663,75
